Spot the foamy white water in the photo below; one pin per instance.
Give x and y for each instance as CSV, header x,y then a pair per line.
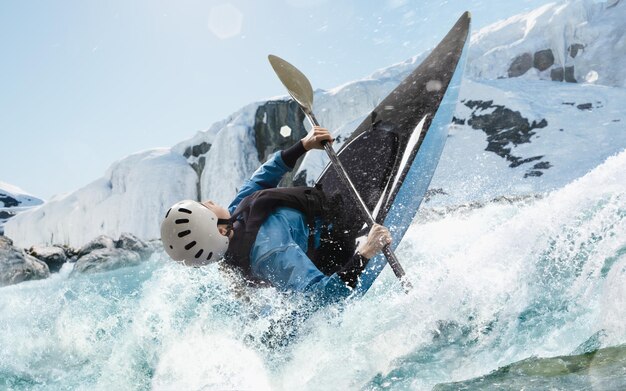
x,y
494,285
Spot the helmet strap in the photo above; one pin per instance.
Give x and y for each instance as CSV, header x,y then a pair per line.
x,y
229,225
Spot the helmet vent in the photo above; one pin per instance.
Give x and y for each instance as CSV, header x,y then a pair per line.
x,y
182,221
210,255
184,210
184,233
199,253
190,245
168,212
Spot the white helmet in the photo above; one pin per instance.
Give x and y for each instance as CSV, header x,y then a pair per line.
x,y
190,235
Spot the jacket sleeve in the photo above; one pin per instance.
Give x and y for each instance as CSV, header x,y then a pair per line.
x,y
265,177
277,258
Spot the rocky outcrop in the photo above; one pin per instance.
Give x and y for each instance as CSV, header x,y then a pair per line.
x,y
8,201
543,59
569,75
520,65
195,156
131,242
101,254
53,256
104,254
17,266
101,242
505,129
563,74
4,216
106,259
13,201
573,49
269,119
556,74
540,60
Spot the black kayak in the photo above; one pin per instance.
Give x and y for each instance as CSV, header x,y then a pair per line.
x,y
392,155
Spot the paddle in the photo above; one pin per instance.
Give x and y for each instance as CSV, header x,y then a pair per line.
x,y
301,91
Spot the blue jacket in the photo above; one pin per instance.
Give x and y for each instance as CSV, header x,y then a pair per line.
x,y
279,253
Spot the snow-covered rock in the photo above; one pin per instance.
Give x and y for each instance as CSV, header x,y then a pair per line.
x,y
104,254
130,242
105,259
14,200
17,266
53,256
512,135
577,41
515,137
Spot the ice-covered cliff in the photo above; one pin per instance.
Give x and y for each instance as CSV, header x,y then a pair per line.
x,y
517,130
573,41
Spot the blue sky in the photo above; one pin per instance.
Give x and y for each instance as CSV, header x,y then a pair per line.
x,y
84,83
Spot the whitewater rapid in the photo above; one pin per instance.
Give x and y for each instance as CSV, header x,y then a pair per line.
x,y
495,284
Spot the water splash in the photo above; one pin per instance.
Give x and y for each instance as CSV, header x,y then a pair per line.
x,y
494,285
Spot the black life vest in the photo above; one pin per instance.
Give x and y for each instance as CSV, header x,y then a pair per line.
x,y
256,208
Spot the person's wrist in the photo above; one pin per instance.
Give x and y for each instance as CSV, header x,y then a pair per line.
x,y
366,252
305,145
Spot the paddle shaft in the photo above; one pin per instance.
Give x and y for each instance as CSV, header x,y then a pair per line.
x,y
343,176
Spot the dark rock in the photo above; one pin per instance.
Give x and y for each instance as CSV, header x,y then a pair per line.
x,y
569,75
130,242
199,161
458,121
574,48
584,106
100,242
542,166
103,253
6,214
200,149
54,257
105,259
520,65
199,165
70,253
8,201
197,150
556,74
543,59
533,174
517,161
506,129
17,266
269,118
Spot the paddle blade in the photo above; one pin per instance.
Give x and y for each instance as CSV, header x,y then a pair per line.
x,y
296,83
